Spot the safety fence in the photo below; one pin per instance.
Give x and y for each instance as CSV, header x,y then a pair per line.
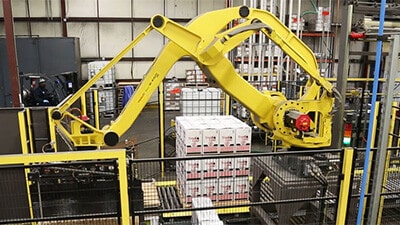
x,y
255,188
64,188
389,203
288,187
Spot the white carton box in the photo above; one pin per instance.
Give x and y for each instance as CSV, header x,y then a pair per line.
x,y
201,202
179,147
210,140
243,139
242,166
187,149
225,189
192,169
226,167
179,180
219,222
191,189
210,188
192,138
207,215
210,168
241,188
178,126
226,139
242,136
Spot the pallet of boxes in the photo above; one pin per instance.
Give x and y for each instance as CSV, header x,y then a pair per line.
x,y
213,174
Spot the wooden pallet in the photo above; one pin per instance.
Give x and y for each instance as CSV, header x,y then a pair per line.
x,y
215,203
150,195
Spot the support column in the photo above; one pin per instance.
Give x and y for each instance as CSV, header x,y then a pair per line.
x,y
161,125
391,74
64,19
343,68
345,186
12,54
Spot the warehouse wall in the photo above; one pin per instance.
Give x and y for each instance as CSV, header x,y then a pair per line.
x,y
105,39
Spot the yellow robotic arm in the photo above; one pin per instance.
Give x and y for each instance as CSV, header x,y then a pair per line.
x,y
299,123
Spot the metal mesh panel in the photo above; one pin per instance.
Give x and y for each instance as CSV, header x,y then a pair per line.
x,y
390,196
69,192
269,188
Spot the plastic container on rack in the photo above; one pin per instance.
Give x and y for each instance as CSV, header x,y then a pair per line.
x,y
107,80
107,102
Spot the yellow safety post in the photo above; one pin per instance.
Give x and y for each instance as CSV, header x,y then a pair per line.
x,y
345,186
227,104
83,103
161,115
22,131
29,124
387,164
123,188
96,108
52,129
24,145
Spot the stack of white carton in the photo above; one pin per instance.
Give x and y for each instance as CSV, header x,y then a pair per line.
x,y
220,178
201,101
203,217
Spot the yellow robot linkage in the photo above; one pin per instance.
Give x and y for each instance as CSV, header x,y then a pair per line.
x,y
304,123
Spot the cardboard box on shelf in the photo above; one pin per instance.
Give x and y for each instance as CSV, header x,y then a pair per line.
x,y
191,138
210,140
191,169
191,189
242,166
210,188
210,168
241,188
243,139
242,133
225,189
183,150
226,167
226,139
